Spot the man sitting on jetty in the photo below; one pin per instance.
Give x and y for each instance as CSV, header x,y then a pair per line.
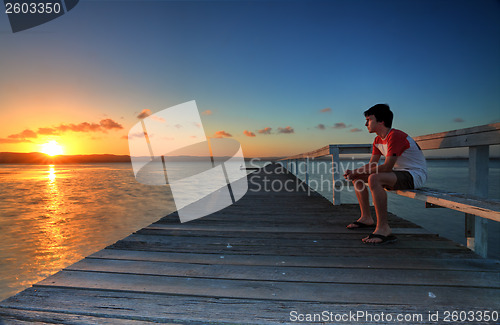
x,y
404,168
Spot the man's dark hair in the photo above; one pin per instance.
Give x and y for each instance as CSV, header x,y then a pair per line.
x,y
382,112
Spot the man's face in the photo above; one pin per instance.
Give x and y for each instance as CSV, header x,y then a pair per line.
x,y
371,123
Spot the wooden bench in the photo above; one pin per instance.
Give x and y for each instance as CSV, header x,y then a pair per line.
x,y
475,204
470,204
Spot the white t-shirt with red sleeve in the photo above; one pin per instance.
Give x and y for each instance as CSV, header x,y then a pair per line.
x,y
410,156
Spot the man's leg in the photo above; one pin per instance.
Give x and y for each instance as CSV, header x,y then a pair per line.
x,y
376,182
363,200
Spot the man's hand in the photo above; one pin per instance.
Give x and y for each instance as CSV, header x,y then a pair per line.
x,y
348,174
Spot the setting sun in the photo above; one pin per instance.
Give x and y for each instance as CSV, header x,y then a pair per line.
x,y
52,148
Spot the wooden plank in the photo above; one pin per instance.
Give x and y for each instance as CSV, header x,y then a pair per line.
x,y
368,262
334,225
297,251
188,309
476,136
332,220
488,209
228,244
272,290
349,238
352,148
340,233
317,216
39,317
260,231
294,274
327,150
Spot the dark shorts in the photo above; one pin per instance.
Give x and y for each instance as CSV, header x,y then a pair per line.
x,y
404,181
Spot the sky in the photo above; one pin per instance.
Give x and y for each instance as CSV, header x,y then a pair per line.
x,y
280,77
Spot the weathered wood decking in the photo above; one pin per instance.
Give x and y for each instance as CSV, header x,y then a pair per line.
x,y
255,262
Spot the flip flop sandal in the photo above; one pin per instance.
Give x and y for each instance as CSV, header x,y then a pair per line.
x,y
385,239
360,225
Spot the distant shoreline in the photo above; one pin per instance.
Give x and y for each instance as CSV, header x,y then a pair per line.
x,y
37,158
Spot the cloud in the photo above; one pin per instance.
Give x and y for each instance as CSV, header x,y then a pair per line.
x,y
14,140
320,126
458,120
103,126
356,130
222,134
109,124
23,135
340,125
248,133
145,113
287,130
134,135
82,127
47,131
207,112
20,137
326,110
265,130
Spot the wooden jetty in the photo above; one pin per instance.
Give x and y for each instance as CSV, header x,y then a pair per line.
x,y
273,257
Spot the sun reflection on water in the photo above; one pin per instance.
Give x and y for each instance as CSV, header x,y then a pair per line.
x,y
52,173
53,226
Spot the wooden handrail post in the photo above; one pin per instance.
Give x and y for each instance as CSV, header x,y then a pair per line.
x,y
307,171
478,181
335,152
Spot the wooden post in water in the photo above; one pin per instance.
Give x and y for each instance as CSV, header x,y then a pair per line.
x,y
476,227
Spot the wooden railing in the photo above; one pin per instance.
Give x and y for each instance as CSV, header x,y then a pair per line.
x,y
335,150
475,204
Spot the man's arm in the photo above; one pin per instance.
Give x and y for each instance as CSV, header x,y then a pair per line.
x,y
388,165
370,168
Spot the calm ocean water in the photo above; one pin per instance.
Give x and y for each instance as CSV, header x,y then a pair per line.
x,y
53,216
